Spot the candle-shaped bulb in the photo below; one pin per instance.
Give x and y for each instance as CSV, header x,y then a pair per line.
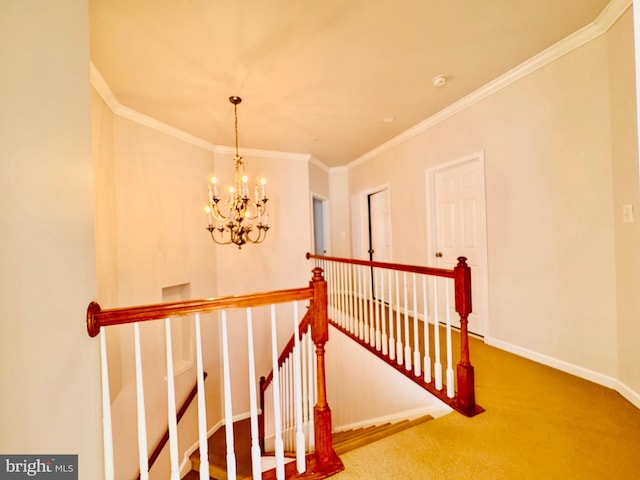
x,y
214,181
207,210
244,186
263,182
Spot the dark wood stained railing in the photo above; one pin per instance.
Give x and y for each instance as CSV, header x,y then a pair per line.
x,y
464,401
323,462
96,317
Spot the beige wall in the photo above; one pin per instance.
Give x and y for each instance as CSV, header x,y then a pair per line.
x,y
50,400
152,188
555,146
150,234
624,155
340,213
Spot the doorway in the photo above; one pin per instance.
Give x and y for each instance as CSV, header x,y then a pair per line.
x,y
320,226
457,226
379,220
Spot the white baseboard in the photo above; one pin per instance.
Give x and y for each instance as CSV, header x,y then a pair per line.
x,y
435,411
626,392
578,371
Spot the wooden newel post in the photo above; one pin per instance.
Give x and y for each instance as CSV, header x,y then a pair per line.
x,y
465,373
326,459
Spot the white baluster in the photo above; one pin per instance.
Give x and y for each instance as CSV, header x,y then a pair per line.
x,y
345,296
383,315
256,465
392,343
361,305
450,385
107,431
427,353
416,338
171,406
313,393
407,341
377,306
372,330
305,386
341,306
290,404
142,424
277,419
352,299
286,402
399,350
437,366
202,409
228,408
297,385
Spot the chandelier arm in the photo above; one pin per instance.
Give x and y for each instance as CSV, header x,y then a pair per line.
x,y
213,231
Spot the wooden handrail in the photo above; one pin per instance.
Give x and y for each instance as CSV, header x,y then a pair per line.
x,y
438,272
96,317
165,438
461,274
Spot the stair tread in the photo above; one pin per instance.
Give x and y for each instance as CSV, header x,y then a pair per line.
x,y
369,435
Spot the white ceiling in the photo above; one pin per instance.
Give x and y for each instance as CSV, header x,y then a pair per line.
x,y
316,76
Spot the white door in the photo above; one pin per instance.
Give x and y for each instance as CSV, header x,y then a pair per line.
x,y
379,231
458,228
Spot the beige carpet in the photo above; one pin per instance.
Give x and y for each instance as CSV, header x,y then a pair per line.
x,y
539,424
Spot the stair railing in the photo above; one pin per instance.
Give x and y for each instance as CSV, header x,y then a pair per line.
x,y
322,461
165,438
298,355
405,315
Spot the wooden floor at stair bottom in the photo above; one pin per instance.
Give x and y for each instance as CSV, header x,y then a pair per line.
x,y
343,442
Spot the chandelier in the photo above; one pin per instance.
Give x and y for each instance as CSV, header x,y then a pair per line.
x,y
238,219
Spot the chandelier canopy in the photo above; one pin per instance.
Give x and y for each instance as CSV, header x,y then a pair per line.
x,y
238,219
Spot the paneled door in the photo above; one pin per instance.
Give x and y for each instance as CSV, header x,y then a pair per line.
x,y
458,228
379,233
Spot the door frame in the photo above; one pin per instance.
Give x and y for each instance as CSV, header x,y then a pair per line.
x,y
430,174
365,229
326,224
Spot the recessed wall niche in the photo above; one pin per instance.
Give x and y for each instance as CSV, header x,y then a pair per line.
x,y
182,329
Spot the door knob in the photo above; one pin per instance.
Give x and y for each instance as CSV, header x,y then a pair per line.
x,y
439,254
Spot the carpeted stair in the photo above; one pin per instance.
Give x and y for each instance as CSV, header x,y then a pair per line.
x,y
343,442
348,440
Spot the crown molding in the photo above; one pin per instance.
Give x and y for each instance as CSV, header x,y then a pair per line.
x,y
341,168
102,88
600,25
318,163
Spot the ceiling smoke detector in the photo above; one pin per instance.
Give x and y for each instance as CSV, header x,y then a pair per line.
x,y
439,80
